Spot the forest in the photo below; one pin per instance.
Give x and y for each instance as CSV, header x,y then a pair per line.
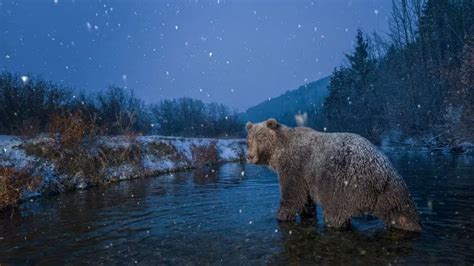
x,y
417,83
30,106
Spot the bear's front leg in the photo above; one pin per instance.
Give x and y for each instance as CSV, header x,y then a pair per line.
x,y
309,209
293,199
287,212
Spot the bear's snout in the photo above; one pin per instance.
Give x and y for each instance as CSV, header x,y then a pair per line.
x,y
251,158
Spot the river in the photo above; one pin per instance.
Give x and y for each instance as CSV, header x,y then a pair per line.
x,y
226,215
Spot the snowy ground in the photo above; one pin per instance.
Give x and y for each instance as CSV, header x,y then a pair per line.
x,y
157,154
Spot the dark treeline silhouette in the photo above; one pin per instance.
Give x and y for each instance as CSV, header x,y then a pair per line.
x,y
418,83
190,117
29,106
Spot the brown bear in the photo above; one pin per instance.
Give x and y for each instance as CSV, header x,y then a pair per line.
x,y
343,172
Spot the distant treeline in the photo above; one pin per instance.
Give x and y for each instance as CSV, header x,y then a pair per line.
x,y
29,106
419,82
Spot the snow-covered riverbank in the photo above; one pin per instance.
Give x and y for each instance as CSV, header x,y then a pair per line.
x,y
113,158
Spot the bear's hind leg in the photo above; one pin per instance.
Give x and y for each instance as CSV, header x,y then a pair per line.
x,y
402,221
395,207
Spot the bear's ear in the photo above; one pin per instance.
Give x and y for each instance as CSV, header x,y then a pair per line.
x,y
272,123
248,126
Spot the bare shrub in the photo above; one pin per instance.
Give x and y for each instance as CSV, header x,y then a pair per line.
x,y
12,183
72,129
205,155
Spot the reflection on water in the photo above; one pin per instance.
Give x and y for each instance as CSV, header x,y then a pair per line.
x,y
226,214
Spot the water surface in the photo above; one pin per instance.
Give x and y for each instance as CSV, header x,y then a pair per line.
x,y
227,215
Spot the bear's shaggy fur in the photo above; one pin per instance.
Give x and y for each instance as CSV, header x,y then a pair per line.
x,y
343,172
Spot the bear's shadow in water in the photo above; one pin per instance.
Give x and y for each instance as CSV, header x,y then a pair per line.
x,y
308,241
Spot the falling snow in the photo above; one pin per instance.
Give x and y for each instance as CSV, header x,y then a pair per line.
x,y
105,23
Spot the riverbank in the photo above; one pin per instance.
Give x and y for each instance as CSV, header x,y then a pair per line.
x,y
45,165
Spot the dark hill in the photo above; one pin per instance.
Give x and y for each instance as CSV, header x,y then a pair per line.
x,y
307,98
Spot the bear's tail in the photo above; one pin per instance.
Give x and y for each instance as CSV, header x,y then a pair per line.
x,y
396,208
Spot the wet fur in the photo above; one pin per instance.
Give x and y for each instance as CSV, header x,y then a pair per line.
x,y
343,172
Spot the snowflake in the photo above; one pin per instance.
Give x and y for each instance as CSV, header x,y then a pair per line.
x,y
24,79
210,54
376,11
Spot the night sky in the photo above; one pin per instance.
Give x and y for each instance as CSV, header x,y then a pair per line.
x,y
235,52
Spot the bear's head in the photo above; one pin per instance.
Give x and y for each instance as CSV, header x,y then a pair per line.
x,y
261,140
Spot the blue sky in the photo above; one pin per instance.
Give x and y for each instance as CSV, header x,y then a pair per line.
x,y
235,52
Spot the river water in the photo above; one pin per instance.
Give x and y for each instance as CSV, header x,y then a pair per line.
x,y
226,215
